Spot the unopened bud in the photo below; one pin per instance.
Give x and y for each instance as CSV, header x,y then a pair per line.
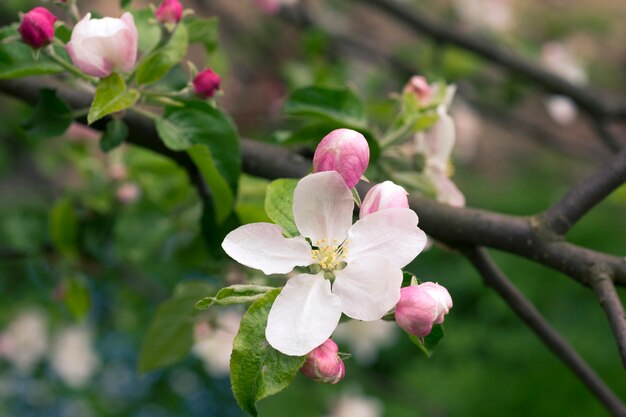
x,y
422,306
345,151
420,88
383,196
37,27
206,83
170,11
128,193
323,364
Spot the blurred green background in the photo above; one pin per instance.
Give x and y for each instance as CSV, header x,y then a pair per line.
x,y
72,322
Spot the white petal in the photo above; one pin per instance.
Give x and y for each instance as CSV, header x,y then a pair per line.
x,y
263,246
368,287
322,207
303,316
447,191
390,233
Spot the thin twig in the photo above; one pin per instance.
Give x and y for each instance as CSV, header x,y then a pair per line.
x,y
527,312
600,126
585,195
612,305
501,56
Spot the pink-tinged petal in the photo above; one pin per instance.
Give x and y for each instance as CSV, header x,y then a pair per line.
x,y
390,233
345,151
383,196
303,316
437,144
322,207
87,62
263,246
368,287
447,191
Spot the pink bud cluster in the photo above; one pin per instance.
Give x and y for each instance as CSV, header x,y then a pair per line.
x,y
170,11
422,306
323,364
345,151
37,27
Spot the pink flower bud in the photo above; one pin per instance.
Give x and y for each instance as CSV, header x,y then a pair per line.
x,y
170,11
206,83
323,364
345,151
100,46
128,193
420,88
383,196
421,306
37,27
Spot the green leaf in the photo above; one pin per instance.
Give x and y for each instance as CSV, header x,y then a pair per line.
x,y
214,232
76,297
17,59
63,226
203,31
149,31
427,344
279,204
51,116
115,134
257,370
339,105
235,294
170,335
111,97
158,63
198,123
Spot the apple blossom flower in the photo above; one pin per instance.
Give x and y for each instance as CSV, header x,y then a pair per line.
x,y
170,11
419,86
350,405
383,196
206,83
355,269
345,151
37,27
422,306
73,356
436,146
213,345
323,364
100,46
25,341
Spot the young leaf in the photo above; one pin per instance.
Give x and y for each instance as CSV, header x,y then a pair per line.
x,y
115,134
150,33
427,344
335,104
158,63
235,294
76,297
51,116
64,227
203,31
279,204
111,97
170,335
198,123
257,370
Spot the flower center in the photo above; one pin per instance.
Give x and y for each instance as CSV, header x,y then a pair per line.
x,y
330,256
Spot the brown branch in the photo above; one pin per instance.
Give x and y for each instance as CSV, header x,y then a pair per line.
x,y
503,57
454,226
612,305
527,312
585,195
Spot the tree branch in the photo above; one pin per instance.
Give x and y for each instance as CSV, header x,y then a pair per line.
x,y
501,56
585,195
527,312
454,226
612,305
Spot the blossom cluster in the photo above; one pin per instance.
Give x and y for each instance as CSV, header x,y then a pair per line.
x,y
352,269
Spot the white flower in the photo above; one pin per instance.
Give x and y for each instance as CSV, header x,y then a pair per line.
x,y
73,357
349,405
25,341
359,264
436,146
214,345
